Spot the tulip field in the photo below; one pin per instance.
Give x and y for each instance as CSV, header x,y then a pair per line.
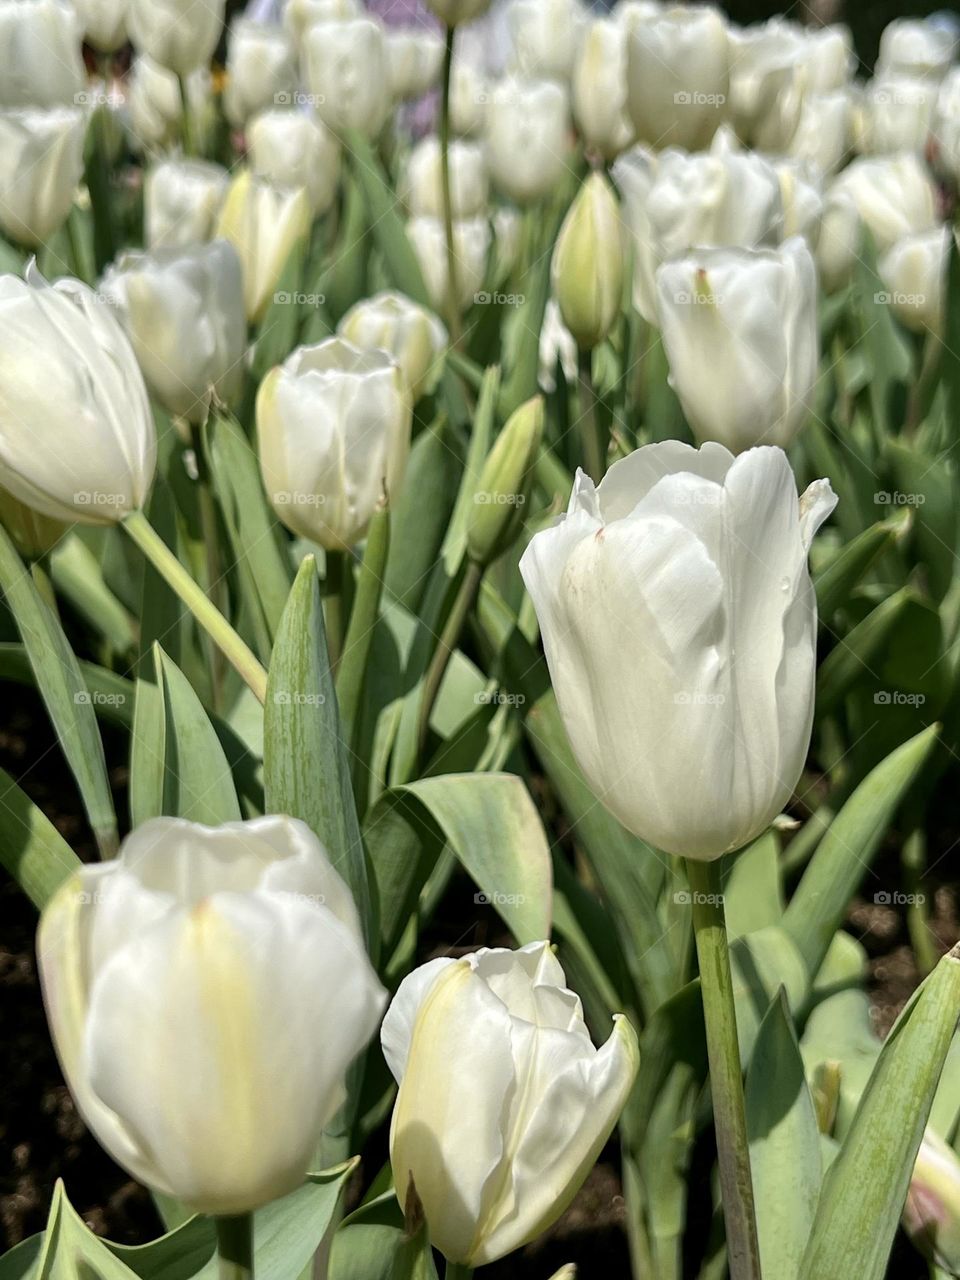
x,y
479,642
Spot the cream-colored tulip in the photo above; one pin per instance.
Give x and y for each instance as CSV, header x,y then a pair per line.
x,y
410,334
504,1102
414,59
77,438
295,149
801,194
897,115
182,200
40,61
600,88
527,137
469,95
471,239
41,164
206,993
300,15
421,186
914,47
156,104
546,36
261,70
588,264
264,224
104,23
825,130
333,424
945,128
914,273
348,75
767,86
179,34
694,563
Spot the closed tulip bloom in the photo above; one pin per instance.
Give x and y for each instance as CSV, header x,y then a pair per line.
x,y
182,199
77,439
527,137
261,69
840,241
300,15
824,132
914,47
421,188
471,239
295,149
828,56
410,334
898,113
469,95
588,263
40,61
893,196
678,76
104,23
346,70
945,127
156,104
183,309
931,1214
694,562
41,164
206,992
546,36
801,194
740,331
504,1102
264,224
914,272
414,59
634,173
767,85
179,34
600,88
334,429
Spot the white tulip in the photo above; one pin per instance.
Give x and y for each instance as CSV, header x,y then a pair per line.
x,y
678,76
945,127
742,340
634,173
421,186
914,47
546,36
264,224
767,84
469,95
334,426
892,196
410,334
207,992
300,15
41,164
179,34
898,113
635,13
694,563
471,239
504,1102
156,105
40,61
527,137
295,149
600,88
840,241
104,23
824,132
557,343
588,267
183,310
347,73
77,439
261,70
182,199
801,194
507,228
914,272
414,60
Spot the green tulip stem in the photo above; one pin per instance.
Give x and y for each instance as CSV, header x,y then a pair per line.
x,y
234,648
235,1247
453,294
457,1271
726,1075
457,617
593,460
187,135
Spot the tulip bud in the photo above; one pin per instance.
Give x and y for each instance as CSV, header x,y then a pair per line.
x,y
77,439
295,149
300,15
179,34
696,742
469,95
421,187
491,1144
916,47
414,58
527,119
334,429
156,104
40,60
261,70
181,202
452,13
546,36
588,263
898,114
931,1214
504,484
346,70
206,993
33,534
104,23
471,238
264,224
824,132
410,334
914,272
41,163
183,310
600,88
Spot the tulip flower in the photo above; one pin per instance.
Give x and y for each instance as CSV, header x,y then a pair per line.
x,y
740,331
40,61
104,23
504,485
678,76
898,113
945,127
546,36
931,1214
179,34
600,88
347,73
914,47
469,95
77,439
182,200
410,334
156,103
767,86
420,187
294,149
264,224
828,56
414,59
334,425
801,194
824,131
183,309
588,265
504,1101
261,69
528,121
694,563
300,15
41,164
472,245
206,992
914,273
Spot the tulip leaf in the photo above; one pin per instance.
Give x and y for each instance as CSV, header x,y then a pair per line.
x,y
864,1190
17,1263
930,490
784,1143
845,570
855,655
354,660
764,963
846,851
78,577
64,692
372,1244
71,1251
31,848
752,892
111,695
840,1029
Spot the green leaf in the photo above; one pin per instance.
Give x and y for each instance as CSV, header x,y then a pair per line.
x,y
78,578
372,1245
31,848
854,656
111,695
763,963
384,219
931,490
17,1263
752,892
277,334
845,570
352,668
840,1029
71,1251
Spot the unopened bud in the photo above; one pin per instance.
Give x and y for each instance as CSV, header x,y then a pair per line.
x,y
504,484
